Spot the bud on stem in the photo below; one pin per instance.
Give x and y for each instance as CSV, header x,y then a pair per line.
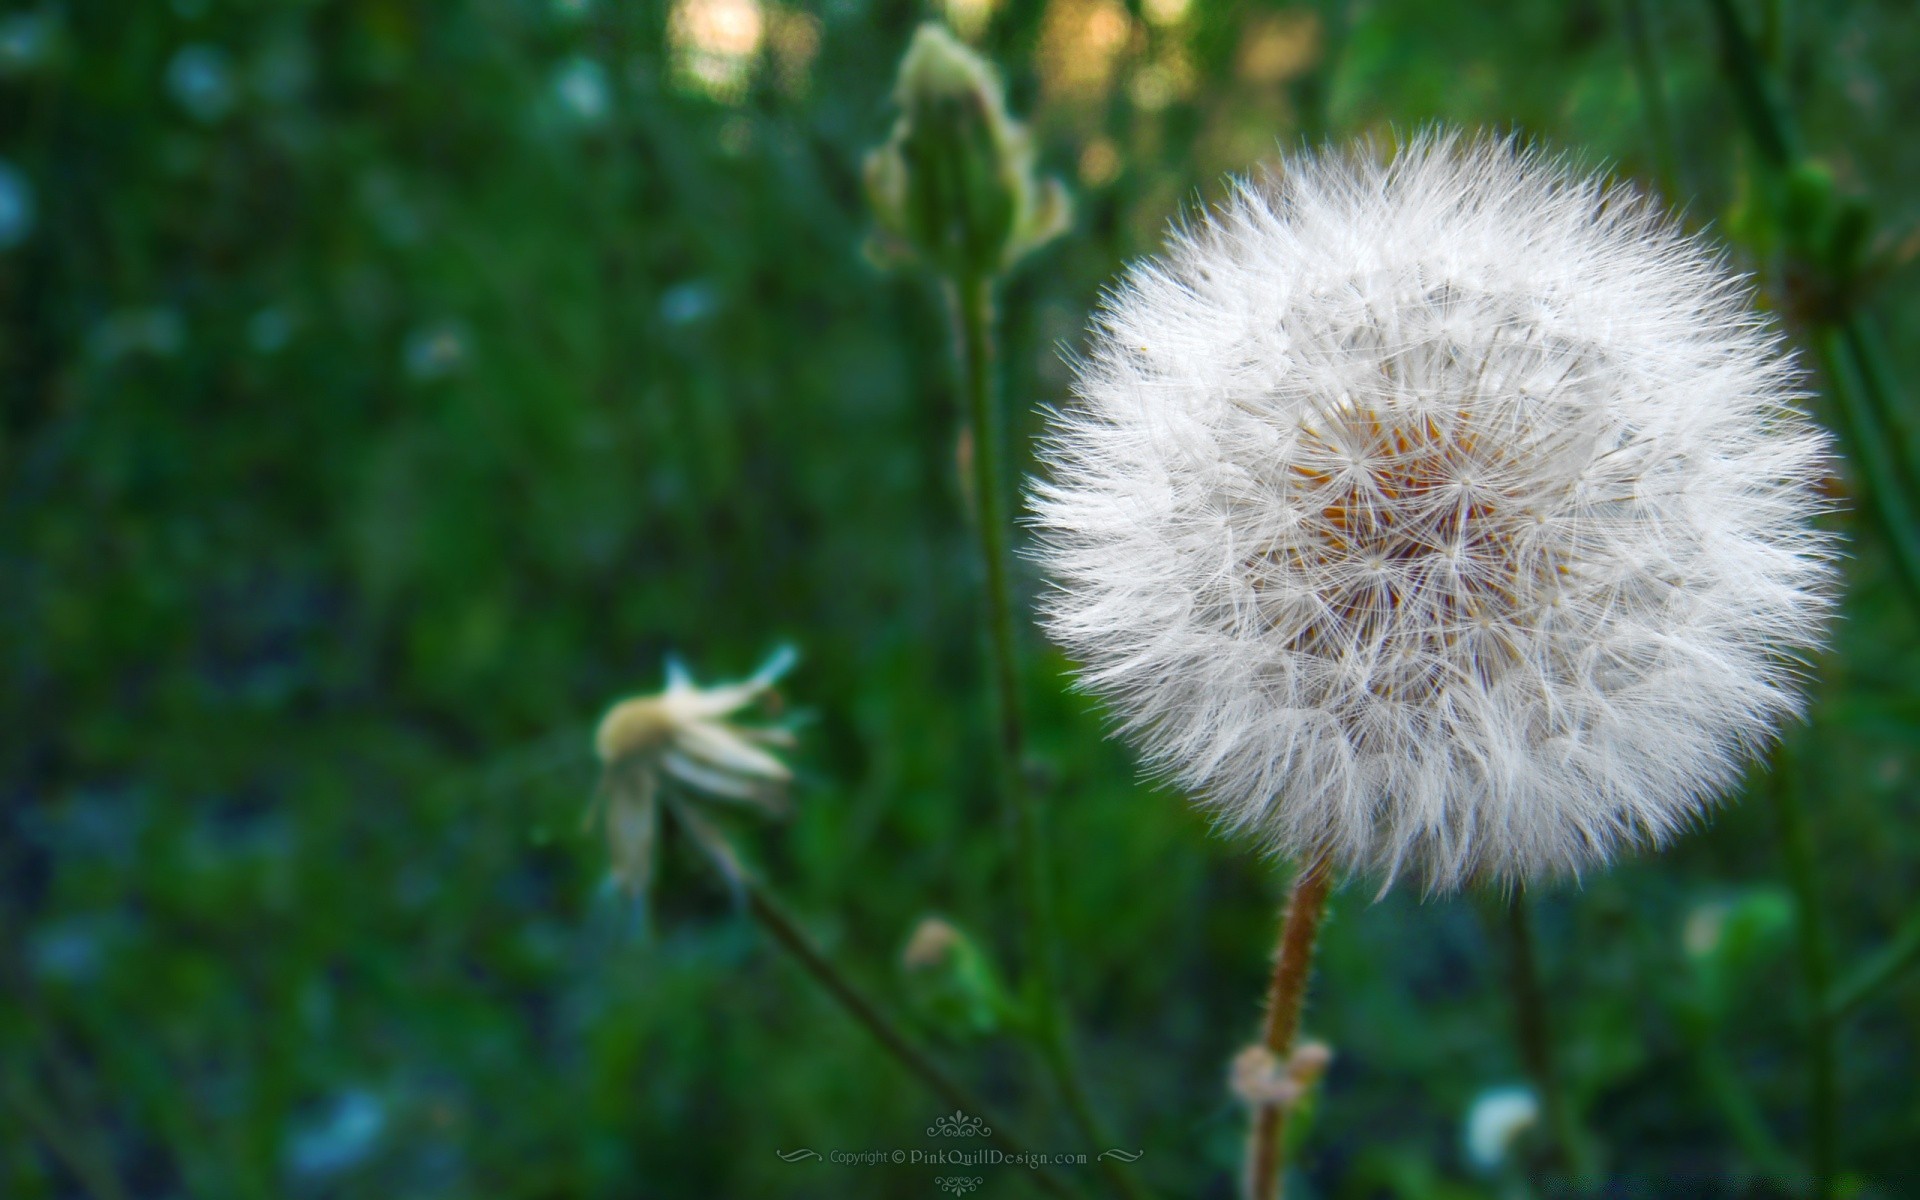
x,y
955,182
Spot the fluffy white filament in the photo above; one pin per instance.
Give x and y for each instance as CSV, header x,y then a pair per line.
x,y
1444,511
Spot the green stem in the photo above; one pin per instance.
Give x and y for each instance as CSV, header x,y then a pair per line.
x,y
972,300
1883,393
1862,385
1815,959
1754,90
1536,1042
784,930
1736,1104
1900,953
1653,95
1870,451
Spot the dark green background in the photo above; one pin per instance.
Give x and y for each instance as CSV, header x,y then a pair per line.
x,y
373,419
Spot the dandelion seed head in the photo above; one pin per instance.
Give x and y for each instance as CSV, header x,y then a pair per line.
x,y
1442,511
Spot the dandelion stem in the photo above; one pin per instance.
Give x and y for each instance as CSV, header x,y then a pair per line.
x,y
777,922
1815,959
972,300
1286,997
1536,1041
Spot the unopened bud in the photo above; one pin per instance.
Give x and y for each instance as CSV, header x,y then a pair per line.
x,y
933,939
955,182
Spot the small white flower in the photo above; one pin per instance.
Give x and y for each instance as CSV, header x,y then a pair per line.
x,y
1497,1118
1446,511
686,737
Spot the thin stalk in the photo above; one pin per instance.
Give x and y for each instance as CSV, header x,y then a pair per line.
x,y
776,921
1653,95
1815,959
1871,453
1286,998
1894,959
1883,392
1755,90
1536,1042
972,300
1862,385
1743,1116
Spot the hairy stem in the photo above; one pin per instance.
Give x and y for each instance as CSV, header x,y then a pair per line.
x,y
1815,959
891,1038
972,302
1286,997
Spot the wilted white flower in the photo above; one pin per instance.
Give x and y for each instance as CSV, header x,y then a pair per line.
x,y
1497,1117
1445,511
690,738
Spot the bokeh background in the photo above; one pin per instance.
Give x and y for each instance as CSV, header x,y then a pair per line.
x,y
388,387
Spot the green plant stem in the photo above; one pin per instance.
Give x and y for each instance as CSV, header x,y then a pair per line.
x,y
1286,999
1863,389
784,930
1536,1042
1883,392
1736,1104
1815,959
1899,955
1755,90
972,302
1645,53
1870,451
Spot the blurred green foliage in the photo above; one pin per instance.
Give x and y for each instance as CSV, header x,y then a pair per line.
x,y
388,387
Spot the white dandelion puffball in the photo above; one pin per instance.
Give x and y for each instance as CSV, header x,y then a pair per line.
x,y
1444,511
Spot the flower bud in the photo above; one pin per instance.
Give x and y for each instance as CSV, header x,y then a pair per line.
x,y
950,981
955,182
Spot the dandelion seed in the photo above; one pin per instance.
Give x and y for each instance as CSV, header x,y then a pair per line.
x,y
1445,512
